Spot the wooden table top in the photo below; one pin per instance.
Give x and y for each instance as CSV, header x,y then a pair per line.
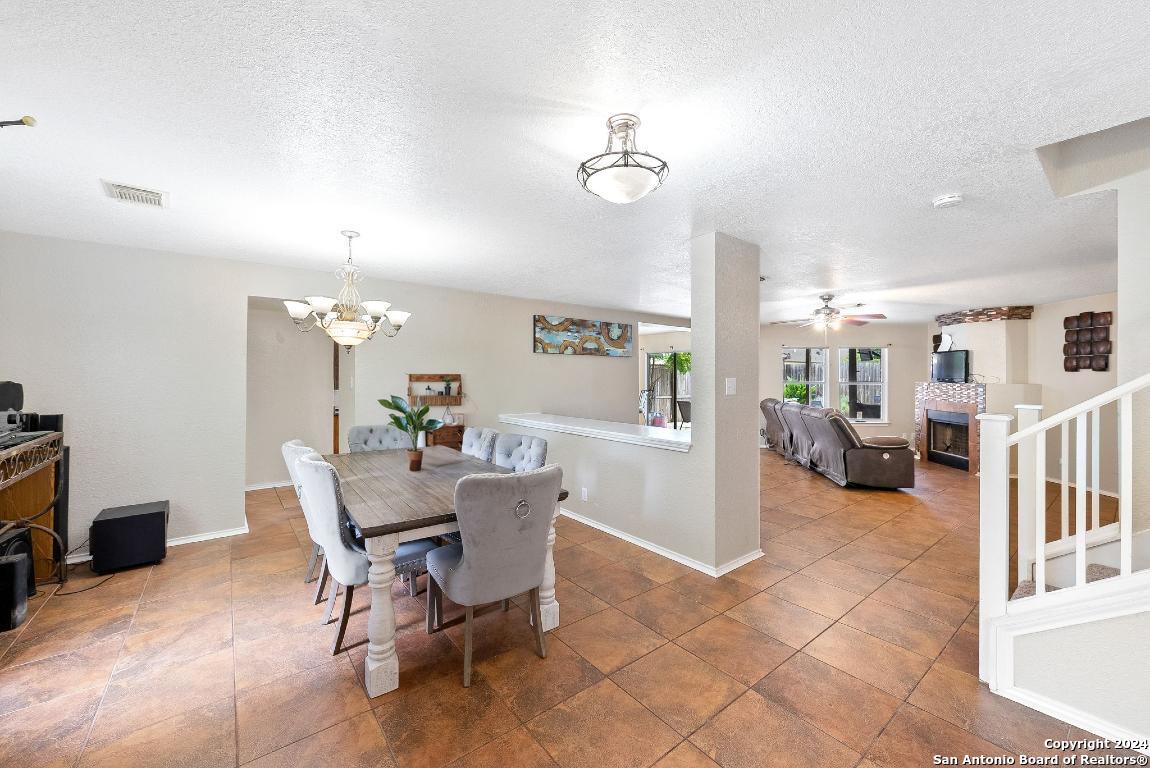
x,y
383,496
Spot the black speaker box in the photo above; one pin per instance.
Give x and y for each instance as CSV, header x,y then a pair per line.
x,y
122,537
17,580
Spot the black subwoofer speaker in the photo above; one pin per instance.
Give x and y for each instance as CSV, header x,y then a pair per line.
x,y
122,537
17,580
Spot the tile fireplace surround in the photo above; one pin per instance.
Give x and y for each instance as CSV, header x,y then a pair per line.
x,y
945,396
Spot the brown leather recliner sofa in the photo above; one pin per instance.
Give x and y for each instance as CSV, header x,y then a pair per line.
x,y
823,439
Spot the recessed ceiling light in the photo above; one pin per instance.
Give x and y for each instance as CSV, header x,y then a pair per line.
x,y
948,201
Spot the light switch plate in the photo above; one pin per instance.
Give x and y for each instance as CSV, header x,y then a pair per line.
x,y
730,386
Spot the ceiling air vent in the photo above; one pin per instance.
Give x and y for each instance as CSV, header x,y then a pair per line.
x,y
128,194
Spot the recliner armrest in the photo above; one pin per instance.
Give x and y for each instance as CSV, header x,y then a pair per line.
x,y
886,442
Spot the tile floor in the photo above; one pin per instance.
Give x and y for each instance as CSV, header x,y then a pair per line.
x,y
851,642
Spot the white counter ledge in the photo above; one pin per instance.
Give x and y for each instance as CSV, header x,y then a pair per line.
x,y
617,431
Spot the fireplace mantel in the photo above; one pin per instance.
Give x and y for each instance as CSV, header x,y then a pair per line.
x,y
946,396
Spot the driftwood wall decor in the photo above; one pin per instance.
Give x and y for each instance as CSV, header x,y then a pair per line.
x,y
1087,345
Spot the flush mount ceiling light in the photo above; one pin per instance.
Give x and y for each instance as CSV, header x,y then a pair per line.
x,y
348,320
948,200
622,174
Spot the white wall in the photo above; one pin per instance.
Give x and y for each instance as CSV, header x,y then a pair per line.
x,y
145,354
909,361
998,349
289,391
1101,668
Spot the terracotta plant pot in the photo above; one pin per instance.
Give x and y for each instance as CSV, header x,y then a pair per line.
x,y
415,460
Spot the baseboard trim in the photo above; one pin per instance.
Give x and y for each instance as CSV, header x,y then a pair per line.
x,y
1074,716
663,551
265,486
177,541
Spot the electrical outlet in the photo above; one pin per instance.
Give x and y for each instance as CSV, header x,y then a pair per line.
x,y
583,495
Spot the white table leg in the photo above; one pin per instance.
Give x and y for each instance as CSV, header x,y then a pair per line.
x,y
547,601
381,670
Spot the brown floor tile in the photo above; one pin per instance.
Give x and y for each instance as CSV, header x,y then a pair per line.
x,y
924,636
743,653
176,644
602,727
576,560
132,702
269,658
666,611
610,639
925,602
516,749
914,737
788,557
530,684
753,732
575,603
882,664
782,517
656,567
53,632
717,594
680,688
202,738
173,578
760,573
889,546
268,716
182,609
962,700
686,755
844,576
794,625
48,734
961,653
495,631
843,706
810,541
947,582
45,679
354,743
867,559
818,596
613,583
614,548
442,721
271,562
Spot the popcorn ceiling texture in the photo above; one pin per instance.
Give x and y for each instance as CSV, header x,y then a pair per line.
x,y
450,136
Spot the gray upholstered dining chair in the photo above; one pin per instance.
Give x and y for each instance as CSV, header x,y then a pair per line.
x,y
479,442
376,437
345,558
520,453
504,521
291,451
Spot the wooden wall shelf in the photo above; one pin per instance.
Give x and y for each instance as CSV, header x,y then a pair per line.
x,y
418,382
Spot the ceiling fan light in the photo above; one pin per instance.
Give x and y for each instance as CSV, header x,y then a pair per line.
x,y
297,309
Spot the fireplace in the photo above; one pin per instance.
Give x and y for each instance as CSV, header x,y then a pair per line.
x,y
948,438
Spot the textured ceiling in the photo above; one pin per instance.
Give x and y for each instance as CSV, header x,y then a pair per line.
x,y
449,135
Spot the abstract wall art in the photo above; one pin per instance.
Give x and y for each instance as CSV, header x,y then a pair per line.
x,y
556,335
1087,345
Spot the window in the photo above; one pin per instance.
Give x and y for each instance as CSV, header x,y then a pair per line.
x,y
805,375
862,383
668,382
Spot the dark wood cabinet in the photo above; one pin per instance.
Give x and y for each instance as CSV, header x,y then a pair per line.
x,y
450,435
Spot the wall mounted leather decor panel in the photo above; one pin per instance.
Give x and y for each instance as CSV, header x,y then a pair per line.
x,y
1087,345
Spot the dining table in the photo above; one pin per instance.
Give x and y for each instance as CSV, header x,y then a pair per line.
x,y
391,504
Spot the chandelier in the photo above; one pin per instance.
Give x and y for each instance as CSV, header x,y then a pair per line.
x,y
622,174
348,320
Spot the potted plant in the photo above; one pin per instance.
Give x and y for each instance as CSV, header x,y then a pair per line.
x,y
412,421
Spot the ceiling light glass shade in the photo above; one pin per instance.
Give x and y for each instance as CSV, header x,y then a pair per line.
x,y
622,174
321,305
297,309
349,333
397,317
376,308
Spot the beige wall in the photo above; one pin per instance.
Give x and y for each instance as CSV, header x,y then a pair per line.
x,y
909,361
289,392
998,350
148,363
1061,390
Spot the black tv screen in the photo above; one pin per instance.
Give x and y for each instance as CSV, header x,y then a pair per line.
x,y
950,366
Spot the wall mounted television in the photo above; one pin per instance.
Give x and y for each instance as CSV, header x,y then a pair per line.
x,y
950,366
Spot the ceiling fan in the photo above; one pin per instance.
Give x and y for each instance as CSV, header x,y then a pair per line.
x,y
830,317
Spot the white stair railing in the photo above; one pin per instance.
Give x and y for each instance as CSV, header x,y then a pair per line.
x,y
1083,426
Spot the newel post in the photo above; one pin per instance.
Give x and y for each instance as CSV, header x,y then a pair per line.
x,y
994,532
1028,415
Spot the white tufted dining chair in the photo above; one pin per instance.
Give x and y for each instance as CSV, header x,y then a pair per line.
x,y
520,453
479,442
376,437
291,451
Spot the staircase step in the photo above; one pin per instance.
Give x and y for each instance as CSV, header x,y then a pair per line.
x,y
1094,572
